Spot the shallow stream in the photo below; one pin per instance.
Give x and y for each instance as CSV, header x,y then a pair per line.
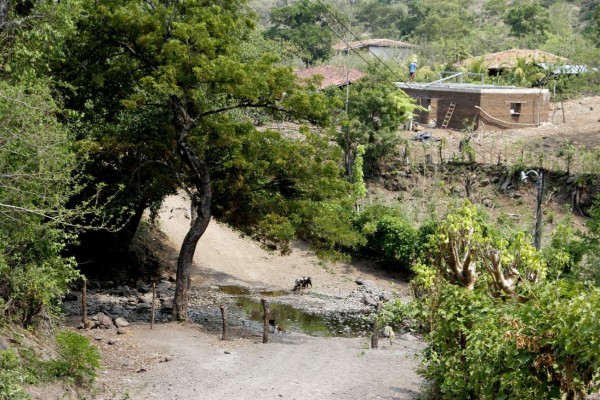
x,y
245,310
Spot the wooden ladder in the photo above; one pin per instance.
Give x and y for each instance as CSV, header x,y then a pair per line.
x,y
448,116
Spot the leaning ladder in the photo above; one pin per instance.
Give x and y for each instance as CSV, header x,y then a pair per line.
x,y
448,116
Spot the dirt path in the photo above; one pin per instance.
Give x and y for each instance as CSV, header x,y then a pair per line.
x,y
175,361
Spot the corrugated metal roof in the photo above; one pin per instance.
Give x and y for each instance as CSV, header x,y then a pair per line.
x,y
372,42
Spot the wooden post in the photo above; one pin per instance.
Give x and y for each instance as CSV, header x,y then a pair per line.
x,y
537,234
267,310
224,317
375,333
153,306
84,303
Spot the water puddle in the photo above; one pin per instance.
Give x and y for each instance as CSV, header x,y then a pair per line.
x,y
234,290
291,318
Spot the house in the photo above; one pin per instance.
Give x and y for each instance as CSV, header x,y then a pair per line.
x,y
382,48
497,62
456,105
332,75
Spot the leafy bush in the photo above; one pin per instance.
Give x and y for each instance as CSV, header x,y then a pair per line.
x,y
388,233
11,379
496,328
77,359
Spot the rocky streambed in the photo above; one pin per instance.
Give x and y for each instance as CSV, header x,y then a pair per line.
x,y
308,311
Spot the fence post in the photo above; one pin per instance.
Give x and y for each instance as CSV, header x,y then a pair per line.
x,y
84,303
267,310
375,333
153,304
224,317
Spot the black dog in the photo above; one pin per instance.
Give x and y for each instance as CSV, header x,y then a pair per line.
x,y
303,283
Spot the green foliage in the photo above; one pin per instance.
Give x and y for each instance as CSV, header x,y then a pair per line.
x,y
484,344
305,25
592,30
589,269
359,189
11,379
36,181
376,110
528,18
78,360
388,233
385,19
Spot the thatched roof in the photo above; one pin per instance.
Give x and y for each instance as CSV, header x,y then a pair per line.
x,y
341,46
332,75
508,58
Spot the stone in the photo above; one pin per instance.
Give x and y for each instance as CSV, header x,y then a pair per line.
x,y
489,203
118,310
104,322
167,303
112,341
121,322
142,287
385,296
571,179
4,344
143,307
89,324
147,298
121,331
408,336
163,286
364,282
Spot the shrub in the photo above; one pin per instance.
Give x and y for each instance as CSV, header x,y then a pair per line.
x,y
10,377
77,359
388,233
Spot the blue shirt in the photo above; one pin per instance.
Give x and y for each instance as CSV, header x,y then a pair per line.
x,y
412,67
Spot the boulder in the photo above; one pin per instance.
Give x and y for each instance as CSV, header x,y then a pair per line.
x,y
104,322
163,286
143,307
166,303
118,310
121,322
146,298
364,282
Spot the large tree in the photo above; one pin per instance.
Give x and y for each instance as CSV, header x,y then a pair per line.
x,y
163,87
308,24
37,179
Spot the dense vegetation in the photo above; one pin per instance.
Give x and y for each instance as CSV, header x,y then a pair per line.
x,y
106,107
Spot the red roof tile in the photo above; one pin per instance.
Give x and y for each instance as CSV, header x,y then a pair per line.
x,y
332,75
508,58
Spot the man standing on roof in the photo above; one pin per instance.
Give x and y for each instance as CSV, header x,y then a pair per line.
x,y
412,68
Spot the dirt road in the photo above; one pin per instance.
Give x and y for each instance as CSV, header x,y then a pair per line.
x,y
175,361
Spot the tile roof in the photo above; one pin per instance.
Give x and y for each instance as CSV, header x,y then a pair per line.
x,y
332,75
508,58
372,42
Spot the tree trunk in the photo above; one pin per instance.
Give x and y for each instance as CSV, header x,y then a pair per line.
x,y
201,198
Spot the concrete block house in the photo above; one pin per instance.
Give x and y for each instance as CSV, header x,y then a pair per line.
x,y
455,105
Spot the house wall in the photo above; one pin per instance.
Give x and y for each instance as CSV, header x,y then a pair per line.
x,y
484,107
389,53
496,109
440,102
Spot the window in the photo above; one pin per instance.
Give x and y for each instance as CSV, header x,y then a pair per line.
x,y
515,109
